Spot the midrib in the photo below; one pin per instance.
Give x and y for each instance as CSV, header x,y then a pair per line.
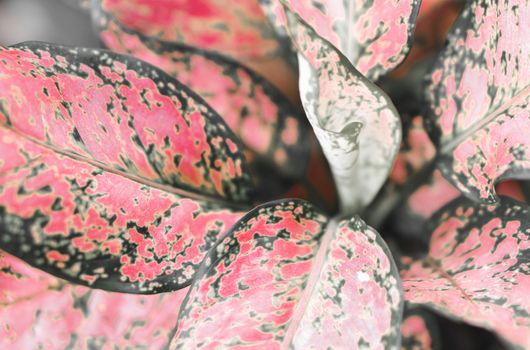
x,y
135,178
312,282
453,143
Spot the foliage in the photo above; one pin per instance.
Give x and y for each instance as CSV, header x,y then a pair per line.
x,y
213,177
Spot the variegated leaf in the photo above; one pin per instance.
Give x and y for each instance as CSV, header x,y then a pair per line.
x,y
418,189
100,228
355,122
273,132
290,280
90,152
478,267
39,311
238,29
374,35
121,112
479,97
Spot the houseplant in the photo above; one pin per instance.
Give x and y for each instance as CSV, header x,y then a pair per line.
x,y
117,176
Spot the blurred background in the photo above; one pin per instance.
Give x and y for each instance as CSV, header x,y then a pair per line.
x,y
45,20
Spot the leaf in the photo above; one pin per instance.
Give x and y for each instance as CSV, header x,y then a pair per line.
x,y
85,184
478,96
374,35
239,30
98,228
291,280
418,330
41,311
418,189
477,269
355,122
434,20
273,132
79,100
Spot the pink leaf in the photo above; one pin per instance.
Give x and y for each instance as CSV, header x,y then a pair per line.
x,y
274,133
41,311
238,29
477,268
478,96
374,35
292,282
122,113
86,181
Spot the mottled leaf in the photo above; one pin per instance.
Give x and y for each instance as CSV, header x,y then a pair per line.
x,y
238,29
478,97
374,35
273,132
39,311
99,228
355,122
290,280
477,268
87,167
123,113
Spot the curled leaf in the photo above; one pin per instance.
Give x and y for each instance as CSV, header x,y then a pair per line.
x,y
294,281
355,122
374,35
478,97
477,269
